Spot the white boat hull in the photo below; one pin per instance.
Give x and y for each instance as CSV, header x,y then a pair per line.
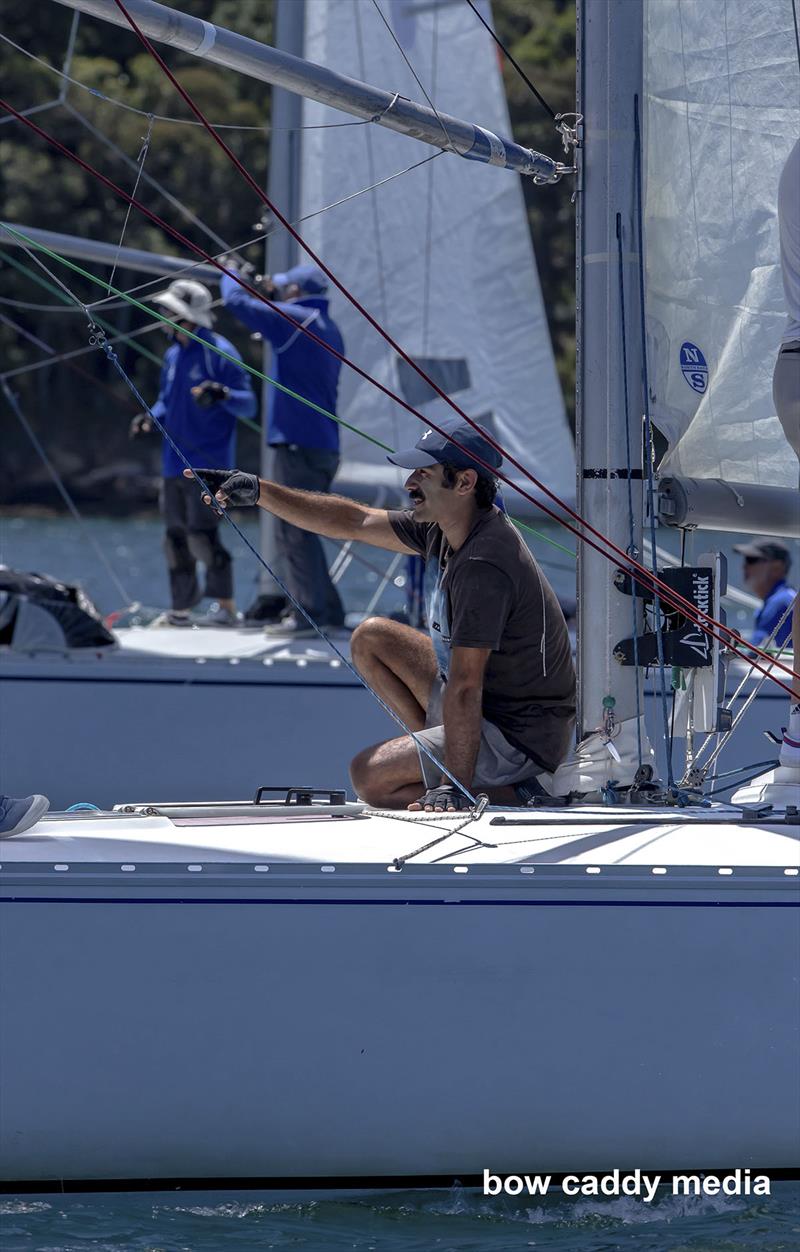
x,y
172,1010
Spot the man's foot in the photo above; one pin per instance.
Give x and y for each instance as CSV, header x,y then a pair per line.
x,y
19,815
790,747
217,615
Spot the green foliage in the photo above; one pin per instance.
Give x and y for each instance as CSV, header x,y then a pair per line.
x,y
79,423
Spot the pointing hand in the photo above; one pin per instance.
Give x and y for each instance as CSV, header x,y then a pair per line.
x,y
230,486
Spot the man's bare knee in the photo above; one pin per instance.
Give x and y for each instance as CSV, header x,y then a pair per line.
x,y
370,638
379,771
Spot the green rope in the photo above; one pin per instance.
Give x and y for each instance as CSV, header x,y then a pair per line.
x,y
56,291
545,538
221,352
251,369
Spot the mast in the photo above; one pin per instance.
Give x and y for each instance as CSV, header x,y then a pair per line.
x,y
609,77
281,69
283,188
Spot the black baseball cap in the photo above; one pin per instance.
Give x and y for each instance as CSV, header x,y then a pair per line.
x,y
432,448
765,550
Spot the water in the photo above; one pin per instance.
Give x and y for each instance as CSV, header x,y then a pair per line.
x,y
411,1221
132,546
58,546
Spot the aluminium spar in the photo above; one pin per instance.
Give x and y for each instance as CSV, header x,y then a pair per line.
x,y
103,253
316,82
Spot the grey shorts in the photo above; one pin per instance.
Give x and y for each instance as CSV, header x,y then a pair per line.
x,y
786,392
499,763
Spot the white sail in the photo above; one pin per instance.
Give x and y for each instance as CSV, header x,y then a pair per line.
x,y
442,256
722,112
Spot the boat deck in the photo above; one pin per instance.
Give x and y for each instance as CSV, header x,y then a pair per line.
x,y
591,837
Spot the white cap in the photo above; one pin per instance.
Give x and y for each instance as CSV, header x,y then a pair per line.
x,y
188,300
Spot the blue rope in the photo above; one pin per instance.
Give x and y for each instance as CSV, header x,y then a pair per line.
x,y
649,451
100,341
631,524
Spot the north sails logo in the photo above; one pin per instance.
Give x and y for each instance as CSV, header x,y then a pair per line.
x,y
694,367
425,436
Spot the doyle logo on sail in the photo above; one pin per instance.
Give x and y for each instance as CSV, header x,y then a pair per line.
x,y
694,367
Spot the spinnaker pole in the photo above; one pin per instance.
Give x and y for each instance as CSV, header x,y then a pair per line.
x,y
316,82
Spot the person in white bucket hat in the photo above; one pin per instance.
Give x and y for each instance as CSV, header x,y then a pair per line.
x,y
200,397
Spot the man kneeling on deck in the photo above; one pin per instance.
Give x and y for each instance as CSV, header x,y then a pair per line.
x,y
491,692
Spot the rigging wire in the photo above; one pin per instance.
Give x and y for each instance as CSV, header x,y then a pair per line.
x,y
508,55
385,575
65,495
118,337
448,143
153,325
422,747
251,369
376,224
25,269
160,117
706,623
731,701
157,186
112,303
696,615
142,157
9,321
700,618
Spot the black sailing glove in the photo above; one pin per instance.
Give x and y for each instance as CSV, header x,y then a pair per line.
x,y
208,393
445,797
234,486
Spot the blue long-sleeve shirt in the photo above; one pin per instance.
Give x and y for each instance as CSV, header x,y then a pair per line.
x,y
297,362
206,437
771,612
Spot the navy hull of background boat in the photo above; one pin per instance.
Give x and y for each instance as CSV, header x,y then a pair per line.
x,y
101,729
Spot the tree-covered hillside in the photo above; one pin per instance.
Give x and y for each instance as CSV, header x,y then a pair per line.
x,y
83,426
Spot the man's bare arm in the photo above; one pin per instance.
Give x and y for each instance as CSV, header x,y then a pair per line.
x,y
335,517
462,712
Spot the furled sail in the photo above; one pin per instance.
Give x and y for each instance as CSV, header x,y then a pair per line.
x,y
441,256
722,112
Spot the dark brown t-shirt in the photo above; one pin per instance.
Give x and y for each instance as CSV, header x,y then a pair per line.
x,y
497,597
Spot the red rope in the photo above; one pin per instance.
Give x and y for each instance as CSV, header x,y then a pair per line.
x,y
262,195
668,594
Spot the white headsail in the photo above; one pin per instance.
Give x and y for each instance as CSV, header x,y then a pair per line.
x,y
722,111
441,256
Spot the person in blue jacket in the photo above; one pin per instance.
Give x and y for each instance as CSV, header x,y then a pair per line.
x,y
200,397
304,445
766,568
